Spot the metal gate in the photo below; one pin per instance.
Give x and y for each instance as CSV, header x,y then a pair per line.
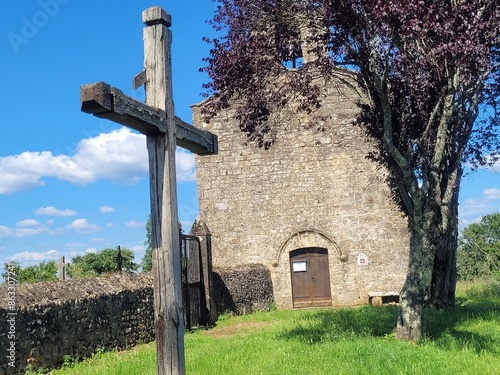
x,y
194,298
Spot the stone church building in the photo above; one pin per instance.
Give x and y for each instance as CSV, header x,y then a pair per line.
x,y
312,208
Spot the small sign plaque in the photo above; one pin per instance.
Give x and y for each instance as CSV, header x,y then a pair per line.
x,y
299,266
362,259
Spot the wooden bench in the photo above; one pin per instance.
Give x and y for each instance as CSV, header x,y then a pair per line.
x,y
380,298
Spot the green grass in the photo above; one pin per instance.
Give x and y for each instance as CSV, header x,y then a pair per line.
x,y
463,340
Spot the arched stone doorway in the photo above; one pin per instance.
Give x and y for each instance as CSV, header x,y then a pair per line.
x,y
310,275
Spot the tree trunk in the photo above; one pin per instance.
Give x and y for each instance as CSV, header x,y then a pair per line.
x,y
432,271
444,273
414,295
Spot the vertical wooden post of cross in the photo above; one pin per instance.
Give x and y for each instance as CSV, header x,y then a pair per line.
x,y
169,324
62,268
156,119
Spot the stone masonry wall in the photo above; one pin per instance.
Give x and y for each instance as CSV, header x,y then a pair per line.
x,y
315,187
75,318
243,289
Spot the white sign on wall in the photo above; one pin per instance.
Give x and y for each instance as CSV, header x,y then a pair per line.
x,y
299,266
362,259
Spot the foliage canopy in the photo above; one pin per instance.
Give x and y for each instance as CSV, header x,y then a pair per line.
x,y
479,249
44,271
102,262
147,260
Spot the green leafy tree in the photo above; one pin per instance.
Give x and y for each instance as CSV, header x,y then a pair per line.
x,y
45,271
96,264
478,254
147,260
13,269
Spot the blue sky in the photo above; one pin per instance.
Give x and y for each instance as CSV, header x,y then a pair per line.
x,y
71,183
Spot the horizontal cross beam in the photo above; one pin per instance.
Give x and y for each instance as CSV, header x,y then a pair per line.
x,y
104,101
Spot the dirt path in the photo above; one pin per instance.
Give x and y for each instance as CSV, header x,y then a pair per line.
x,y
236,329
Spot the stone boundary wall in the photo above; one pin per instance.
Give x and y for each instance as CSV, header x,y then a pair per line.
x,y
75,318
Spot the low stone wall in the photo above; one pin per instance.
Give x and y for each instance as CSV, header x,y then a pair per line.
x,y
75,318
243,289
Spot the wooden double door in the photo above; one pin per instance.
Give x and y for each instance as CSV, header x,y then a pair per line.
x,y
310,277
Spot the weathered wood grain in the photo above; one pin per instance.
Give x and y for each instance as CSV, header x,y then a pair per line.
x,y
139,80
169,325
163,131
104,101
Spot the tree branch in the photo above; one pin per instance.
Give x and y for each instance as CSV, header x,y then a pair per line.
x,y
407,186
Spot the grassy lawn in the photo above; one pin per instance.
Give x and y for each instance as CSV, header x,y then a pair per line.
x,y
464,340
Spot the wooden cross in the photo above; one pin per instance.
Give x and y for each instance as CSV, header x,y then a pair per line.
x,y
62,268
156,120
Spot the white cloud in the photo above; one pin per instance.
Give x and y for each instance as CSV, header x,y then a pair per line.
x,y
5,232
136,224
70,245
492,194
25,232
28,256
495,167
28,223
52,211
25,228
185,165
106,209
139,251
119,156
57,231
472,210
20,172
82,226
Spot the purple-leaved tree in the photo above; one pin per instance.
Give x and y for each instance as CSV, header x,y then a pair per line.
x,y
429,72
